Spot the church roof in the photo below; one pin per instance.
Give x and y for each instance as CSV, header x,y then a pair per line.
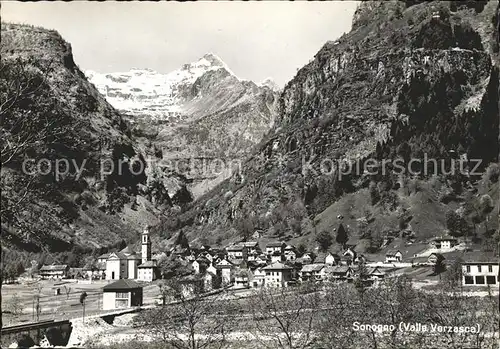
x,y
118,254
127,250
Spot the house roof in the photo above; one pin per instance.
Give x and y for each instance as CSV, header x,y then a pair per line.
x,y
349,251
274,244
147,264
208,274
446,238
235,248
481,263
250,243
374,270
54,267
436,254
312,267
103,256
392,252
202,260
277,266
301,260
122,284
339,269
134,256
224,263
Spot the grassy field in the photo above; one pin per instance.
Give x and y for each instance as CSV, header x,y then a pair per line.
x,y
60,306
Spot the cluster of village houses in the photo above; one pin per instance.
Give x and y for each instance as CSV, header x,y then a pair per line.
x,y
246,264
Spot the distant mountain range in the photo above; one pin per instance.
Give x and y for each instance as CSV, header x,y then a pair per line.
x,y
202,110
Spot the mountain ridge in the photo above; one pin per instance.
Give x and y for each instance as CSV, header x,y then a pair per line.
x,y
201,110
387,89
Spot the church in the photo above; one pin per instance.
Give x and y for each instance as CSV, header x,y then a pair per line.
x,y
128,264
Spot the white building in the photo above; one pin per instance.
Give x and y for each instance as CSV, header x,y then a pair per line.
x,y
277,275
332,259
225,269
290,254
273,247
121,294
312,272
147,271
393,257
116,266
480,273
237,252
258,277
54,271
444,243
127,264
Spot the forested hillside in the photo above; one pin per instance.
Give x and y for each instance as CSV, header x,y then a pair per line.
x,y
52,115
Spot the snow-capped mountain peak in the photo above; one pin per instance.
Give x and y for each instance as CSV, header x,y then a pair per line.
x,y
210,61
148,92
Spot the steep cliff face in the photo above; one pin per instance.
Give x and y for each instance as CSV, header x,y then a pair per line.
x,y
399,81
201,111
52,117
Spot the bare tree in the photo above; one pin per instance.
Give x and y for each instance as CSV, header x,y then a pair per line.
x,y
395,301
340,307
15,305
456,309
285,317
193,321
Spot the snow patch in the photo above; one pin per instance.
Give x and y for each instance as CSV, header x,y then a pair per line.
x,y
146,92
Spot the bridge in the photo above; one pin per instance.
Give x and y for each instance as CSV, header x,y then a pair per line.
x,y
57,332
30,334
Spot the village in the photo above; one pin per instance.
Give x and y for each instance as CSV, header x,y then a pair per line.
x,y
124,284
248,265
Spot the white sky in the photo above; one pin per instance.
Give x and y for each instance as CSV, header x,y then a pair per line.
x,y
255,39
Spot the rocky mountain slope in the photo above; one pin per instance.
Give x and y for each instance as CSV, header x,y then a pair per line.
x,y
411,78
197,113
53,118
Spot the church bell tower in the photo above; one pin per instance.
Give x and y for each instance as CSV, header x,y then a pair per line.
x,y
146,246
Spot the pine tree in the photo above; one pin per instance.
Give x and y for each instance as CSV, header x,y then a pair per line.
x,y
342,236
